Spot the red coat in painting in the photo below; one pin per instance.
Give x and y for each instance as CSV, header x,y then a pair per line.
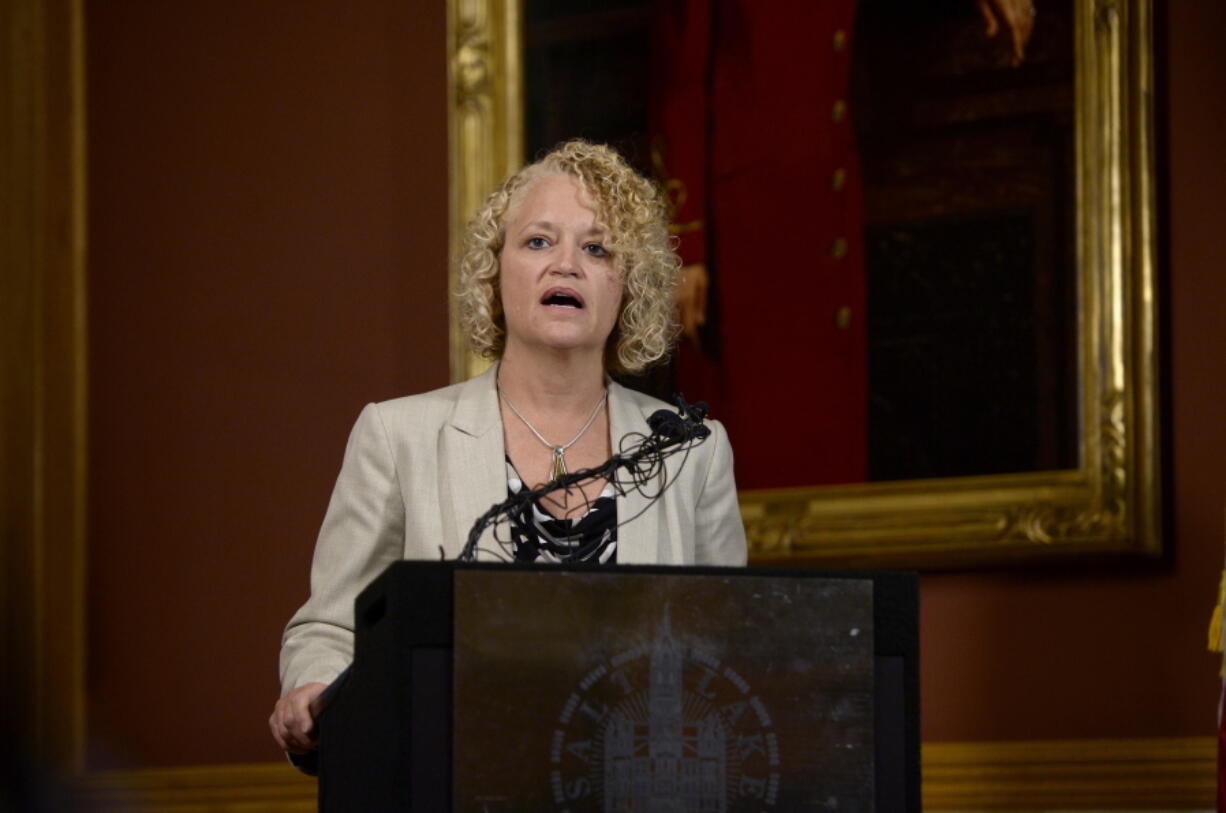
x,y
753,132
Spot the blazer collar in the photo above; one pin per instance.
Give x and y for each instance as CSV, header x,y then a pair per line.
x,y
476,409
473,456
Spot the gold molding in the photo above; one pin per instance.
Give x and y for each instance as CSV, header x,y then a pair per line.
x,y
273,786
43,377
1133,774
484,127
1110,503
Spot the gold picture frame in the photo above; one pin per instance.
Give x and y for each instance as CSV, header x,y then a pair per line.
x,y
1110,503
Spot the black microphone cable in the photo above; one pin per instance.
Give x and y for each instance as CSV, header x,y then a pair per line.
x,y
641,457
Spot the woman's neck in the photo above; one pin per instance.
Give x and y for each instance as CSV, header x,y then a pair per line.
x,y
562,383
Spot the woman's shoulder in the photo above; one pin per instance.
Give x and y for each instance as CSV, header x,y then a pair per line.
x,y
434,405
424,400
640,400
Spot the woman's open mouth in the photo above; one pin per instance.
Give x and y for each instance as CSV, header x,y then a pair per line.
x,y
562,298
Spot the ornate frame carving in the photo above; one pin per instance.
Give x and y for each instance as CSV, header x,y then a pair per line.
x,y
484,127
1110,504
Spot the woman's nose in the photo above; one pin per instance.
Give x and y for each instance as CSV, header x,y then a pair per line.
x,y
566,263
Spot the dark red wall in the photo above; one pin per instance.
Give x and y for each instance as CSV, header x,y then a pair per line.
x,y
268,201
1120,652
268,252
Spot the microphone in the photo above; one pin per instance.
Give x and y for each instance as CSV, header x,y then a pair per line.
x,y
667,423
684,424
671,432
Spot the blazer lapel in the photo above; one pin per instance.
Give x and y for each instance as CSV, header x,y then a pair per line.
x,y
637,542
472,452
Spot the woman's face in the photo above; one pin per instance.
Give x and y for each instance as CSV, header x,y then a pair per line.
x,y
560,286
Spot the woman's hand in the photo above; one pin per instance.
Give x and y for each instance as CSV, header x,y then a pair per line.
x,y
293,726
692,300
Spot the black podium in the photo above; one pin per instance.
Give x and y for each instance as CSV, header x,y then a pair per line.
x,y
506,688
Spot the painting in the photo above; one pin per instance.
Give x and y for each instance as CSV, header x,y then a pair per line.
x,y
929,253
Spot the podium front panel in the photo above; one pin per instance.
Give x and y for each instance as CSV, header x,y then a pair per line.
x,y
541,688
604,691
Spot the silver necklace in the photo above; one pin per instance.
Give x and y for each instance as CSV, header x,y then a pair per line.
x,y
559,452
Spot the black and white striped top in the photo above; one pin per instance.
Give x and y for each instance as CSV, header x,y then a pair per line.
x,y
537,535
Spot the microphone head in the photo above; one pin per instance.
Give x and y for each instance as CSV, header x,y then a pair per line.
x,y
683,425
667,423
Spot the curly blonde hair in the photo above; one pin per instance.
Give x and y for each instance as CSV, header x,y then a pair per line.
x,y
632,213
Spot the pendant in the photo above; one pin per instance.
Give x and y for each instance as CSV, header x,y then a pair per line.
x,y
559,463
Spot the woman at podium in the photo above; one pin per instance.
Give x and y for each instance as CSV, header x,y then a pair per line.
x,y
568,275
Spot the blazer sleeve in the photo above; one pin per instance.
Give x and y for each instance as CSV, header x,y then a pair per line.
x,y
362,533
719,533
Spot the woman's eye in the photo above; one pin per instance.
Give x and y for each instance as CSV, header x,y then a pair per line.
x,y
537,242
596,250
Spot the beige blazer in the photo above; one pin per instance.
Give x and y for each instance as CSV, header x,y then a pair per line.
x,y
417,473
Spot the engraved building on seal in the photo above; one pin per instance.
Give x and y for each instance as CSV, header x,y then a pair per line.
x,y
667,764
